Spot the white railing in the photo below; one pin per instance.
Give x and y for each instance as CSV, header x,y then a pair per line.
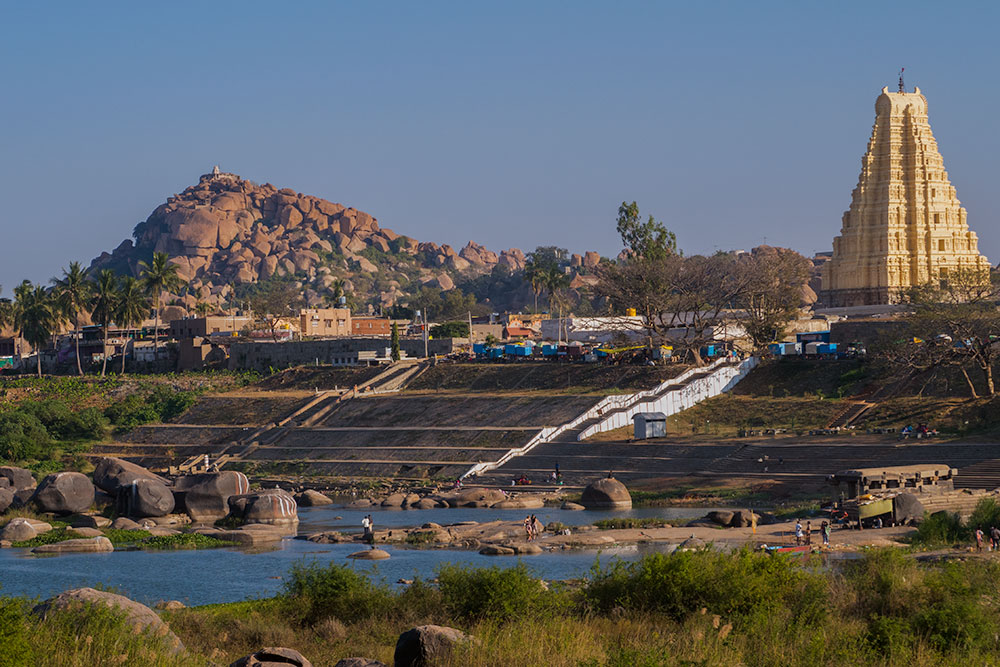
x,y
719,376
722,377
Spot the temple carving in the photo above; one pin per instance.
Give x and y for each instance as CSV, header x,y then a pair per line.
x,y
905,226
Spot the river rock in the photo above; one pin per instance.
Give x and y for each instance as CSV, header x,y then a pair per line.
x,y
606,493
360,662
244,538
145,497
576,507
139,616
19,478
496,550
64,493
40,527
427,504
273,657
474,497
90,521
6,497
427,645
205,497
743,519
359,504
83,544
720,517
111,473
394,500
83,531
329,537
18,530
370,554
310,498
525,502
691,544
22,497
274,506
526,549
123,523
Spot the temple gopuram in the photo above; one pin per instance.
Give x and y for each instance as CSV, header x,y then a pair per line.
x,y
905,227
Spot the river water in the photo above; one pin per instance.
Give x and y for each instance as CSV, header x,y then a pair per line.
x,y
226,575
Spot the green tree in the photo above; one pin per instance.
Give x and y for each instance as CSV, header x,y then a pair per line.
x,y
539,266
73,294
451,330
773,293
394,350
35,317
131,307
103,307
159,276
650,240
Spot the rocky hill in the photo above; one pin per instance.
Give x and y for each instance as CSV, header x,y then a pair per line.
x,y
227,231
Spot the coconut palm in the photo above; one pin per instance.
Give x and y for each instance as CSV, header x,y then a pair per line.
x,y
131,308
35,316
104,305
157,276
203,308
73,294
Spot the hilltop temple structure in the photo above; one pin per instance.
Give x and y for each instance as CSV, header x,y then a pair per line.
x,y
905,226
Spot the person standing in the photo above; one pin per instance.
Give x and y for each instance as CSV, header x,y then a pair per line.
x,y
824,529
798,531
979,539
371,530
366,526
995,537
527,528
809,532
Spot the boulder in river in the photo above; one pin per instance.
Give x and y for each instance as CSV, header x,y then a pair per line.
x,y
369,554
576,507
139,616
273,656
474,497
18,530
311,498
427,645
496,550
145,497
394,500
606,493
274,506
64,493
111,473
82,545
205,497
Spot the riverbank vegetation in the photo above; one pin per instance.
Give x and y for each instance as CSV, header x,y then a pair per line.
x,y
47,423
702,607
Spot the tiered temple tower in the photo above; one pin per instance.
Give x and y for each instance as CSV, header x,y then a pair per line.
x,y
905,226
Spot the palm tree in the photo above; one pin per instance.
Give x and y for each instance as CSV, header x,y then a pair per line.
x,y
132,306
35,316
157,276
104,305
534,274
203,308
73,294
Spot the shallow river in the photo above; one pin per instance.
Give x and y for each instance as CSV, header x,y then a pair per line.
x,y
226,575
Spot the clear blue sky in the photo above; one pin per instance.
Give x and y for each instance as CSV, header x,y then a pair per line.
x,y
513,124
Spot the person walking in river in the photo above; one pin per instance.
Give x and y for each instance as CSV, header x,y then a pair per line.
x,y
371,531
366,526
527,528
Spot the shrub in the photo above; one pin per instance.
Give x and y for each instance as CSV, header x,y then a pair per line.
x,y
985,516
14,647
941,528
63,423
130,412
737,586
493,593
22,436
336,590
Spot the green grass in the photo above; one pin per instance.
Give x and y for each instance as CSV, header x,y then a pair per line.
x,y
183,541
631,522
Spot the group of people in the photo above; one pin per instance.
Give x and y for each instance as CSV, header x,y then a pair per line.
x,y
994,539
531,527
804,536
